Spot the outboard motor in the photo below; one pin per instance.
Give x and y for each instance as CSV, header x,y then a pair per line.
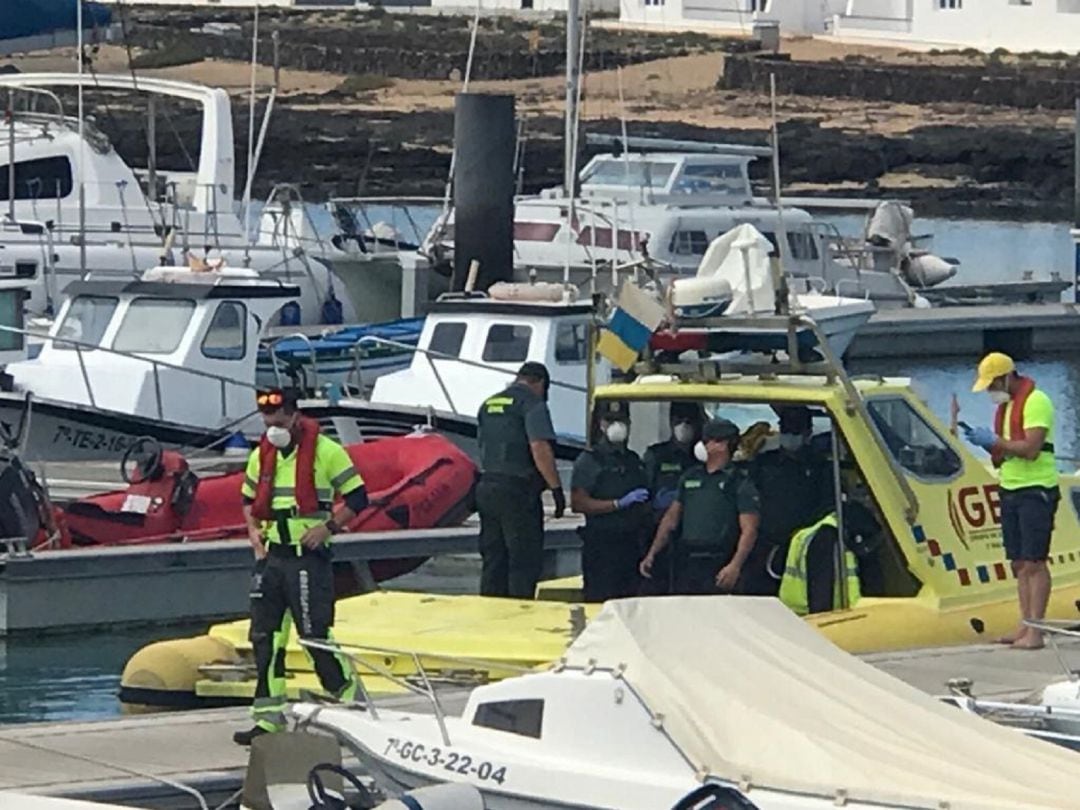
x,y
22,499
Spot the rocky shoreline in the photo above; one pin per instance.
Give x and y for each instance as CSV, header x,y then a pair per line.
x,y
377,133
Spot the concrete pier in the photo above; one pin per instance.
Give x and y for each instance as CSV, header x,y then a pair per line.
x,y
75,589
1020,330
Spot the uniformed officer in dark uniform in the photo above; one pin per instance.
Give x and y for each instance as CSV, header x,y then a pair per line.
x,y
796,486
665,462
517,464
609,488
715,514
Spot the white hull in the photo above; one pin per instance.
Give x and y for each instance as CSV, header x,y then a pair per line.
x,y
61,431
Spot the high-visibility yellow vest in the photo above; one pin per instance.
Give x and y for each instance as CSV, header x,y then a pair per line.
x,y
793,587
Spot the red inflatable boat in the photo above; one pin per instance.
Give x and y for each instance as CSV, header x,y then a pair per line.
x,y
414,482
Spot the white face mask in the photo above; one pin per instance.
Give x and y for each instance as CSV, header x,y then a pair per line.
x,y
279,437
791,441
617,432
683,433
700,453
999,397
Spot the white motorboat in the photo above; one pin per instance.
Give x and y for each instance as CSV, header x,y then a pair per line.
x,y
135,219
664,207
171,356
660,695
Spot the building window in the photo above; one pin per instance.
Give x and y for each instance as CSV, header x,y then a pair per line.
x,y
1068,6
571,343
523,717
1019,2
688,243
446,338
654,2
44,178
912,442
507,343
950,4
761,6
226,338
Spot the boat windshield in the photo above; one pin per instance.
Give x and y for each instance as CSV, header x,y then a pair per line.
x,y
153,325
711,178
86,320
632,174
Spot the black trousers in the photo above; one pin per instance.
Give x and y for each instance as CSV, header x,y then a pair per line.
x,y
511,538
695,573
609,566
301,588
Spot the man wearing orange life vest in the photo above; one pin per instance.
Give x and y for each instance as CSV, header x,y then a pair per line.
x,y
288,492
1021,446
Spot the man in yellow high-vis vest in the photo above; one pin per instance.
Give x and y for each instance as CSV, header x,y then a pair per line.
x,y
809,583
289,488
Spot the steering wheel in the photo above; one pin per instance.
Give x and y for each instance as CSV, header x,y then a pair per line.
x,y
146,452
319,796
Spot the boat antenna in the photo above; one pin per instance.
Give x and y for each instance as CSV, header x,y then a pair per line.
x,y
575,49
82,140
251,124
779,274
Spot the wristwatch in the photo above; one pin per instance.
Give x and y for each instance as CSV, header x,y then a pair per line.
x,y
331,526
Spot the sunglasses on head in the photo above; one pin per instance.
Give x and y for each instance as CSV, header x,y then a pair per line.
x,y
272,398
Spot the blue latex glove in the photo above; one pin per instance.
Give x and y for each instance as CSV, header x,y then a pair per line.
x,y
639,495
663,499
981,437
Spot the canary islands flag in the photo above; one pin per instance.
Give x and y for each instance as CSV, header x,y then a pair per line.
x,y
635,318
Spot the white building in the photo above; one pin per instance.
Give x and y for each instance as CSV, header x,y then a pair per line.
x,y
737,16
1016,25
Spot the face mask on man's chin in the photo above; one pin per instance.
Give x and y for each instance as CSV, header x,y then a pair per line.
x,y
1000,397
791,441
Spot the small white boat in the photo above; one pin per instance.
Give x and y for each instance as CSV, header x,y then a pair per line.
x,y
739,261
170,356
660,695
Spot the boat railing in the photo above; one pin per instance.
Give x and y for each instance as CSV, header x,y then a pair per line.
x,y
431,356
425,689
156,365
271,350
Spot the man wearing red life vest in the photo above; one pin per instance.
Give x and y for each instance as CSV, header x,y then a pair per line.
x,y
288,491
1021,446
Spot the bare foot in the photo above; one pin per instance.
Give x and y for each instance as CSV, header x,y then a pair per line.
x,y
1031,640
1013,637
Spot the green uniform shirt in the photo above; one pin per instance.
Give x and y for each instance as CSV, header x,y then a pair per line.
x,y
665,462
711,505
799,489
1017,473
507,423
334,474
606,473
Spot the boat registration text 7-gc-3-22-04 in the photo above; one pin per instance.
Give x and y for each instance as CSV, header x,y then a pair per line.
x,y
451,761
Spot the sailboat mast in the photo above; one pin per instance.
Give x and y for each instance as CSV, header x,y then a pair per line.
x,y
82,150
573,79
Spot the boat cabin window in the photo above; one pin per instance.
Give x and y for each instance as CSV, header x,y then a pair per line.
x,y
447,338
153,325
803,245
44,178
711,178
911,441
688,243
571,343
507,343
226,338
632,174
86,320
523,717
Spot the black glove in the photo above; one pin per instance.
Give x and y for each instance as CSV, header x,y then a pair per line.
x,y
560,501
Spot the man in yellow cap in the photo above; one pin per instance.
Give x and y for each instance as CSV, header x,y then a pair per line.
x,y
1021,446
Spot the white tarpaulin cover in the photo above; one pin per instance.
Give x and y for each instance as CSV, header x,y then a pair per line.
x,y
724,258
750,693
